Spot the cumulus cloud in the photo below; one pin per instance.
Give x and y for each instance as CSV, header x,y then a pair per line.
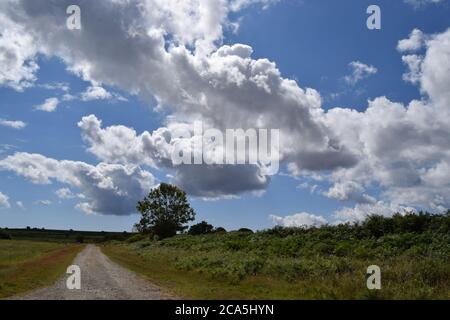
x,y
120,144
222,86
95,93
12,124
172,53
356,214
43,202
109,189
349,190
4,201
65,193
403,149
361,211
49,105
360,71
414,65
415,42
17,54
100,93
301,220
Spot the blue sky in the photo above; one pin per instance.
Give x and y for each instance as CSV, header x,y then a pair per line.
x,y
312,42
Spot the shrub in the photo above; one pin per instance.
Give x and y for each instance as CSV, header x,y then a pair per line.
x,y
137,237
200,228
4,235
220,230
252,266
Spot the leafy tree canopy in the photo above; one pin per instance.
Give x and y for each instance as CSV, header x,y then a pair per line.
x,y
164,211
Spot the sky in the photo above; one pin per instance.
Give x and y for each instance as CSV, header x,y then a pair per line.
x,y
87,116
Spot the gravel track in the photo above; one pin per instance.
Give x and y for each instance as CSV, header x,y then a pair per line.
x,y
101,279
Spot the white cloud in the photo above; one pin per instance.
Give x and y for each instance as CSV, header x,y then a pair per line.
x,y
120,144
49,105
4,201
68,97
360,71
60,86
109,189
436,71
237,5
403,149
420,3
12,124
414,65
65,193
17,54
361,211
349,190
303,219
416,41
43,202
20,205
358,213
96,93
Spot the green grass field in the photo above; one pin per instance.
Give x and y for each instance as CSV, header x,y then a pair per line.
x,y
324,263
27,265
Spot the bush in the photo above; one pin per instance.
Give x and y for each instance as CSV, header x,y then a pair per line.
x,y
245,230
200,228
79,238
137,237
220,230
4,235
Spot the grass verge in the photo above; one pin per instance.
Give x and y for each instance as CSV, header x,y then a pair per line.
x,y
159,269
27,265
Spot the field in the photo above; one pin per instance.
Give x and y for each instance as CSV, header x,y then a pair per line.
x,y
324,263
26,265
64,236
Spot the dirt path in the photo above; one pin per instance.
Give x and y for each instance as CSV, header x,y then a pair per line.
x,y
101,279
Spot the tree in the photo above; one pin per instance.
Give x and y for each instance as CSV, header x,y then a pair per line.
x,y
201,228
245,230
220,230
164,211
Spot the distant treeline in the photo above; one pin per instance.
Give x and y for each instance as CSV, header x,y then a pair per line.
x,y
62,235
